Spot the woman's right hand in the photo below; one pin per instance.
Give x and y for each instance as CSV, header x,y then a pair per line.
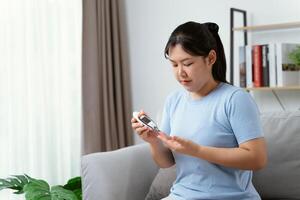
x,y
144,132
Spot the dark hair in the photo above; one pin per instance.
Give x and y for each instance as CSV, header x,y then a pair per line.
x,y
198,40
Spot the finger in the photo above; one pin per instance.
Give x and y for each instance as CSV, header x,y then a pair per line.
x,y
168,139
142,112
133,120
173,145
141,130
145,132
154,133
179,139
162,138
162,134
167,143
151,131
136,125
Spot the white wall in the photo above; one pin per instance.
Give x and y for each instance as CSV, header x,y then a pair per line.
x,y
150,22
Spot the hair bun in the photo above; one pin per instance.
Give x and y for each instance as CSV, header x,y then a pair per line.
x,y
213,27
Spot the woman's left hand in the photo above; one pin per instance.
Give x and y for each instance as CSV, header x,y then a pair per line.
x,y
179,144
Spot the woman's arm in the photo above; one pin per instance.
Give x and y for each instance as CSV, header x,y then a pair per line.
x,y
250,155
162,155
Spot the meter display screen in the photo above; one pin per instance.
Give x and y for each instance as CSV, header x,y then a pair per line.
x,y
145,119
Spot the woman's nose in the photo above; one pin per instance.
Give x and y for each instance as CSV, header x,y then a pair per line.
x,y
181,71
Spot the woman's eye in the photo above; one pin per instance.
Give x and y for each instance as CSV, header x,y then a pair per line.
x,y
188,64
174,65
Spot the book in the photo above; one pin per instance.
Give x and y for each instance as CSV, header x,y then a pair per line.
x,y
265,65
287,73
272,65
242,66
257,66
249,66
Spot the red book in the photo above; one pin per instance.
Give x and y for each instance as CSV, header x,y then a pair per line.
x,y
257,66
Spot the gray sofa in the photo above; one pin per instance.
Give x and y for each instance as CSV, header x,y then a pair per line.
x,y
131,174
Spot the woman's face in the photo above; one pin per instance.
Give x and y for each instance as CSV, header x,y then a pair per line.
x,y
192,72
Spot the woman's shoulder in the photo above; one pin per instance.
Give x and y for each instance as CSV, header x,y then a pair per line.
x,y
237,96
231,91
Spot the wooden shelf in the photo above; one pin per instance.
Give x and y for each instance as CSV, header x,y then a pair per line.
x,y
273,88
269,27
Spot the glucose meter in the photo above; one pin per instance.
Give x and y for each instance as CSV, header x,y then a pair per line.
x,y
146,120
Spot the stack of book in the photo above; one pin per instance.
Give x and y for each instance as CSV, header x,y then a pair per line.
x,y
266,65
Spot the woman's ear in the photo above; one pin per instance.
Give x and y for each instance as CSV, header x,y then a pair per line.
x,y
212,57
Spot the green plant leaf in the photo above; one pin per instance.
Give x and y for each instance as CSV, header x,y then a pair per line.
x,y
78,193
294,56
4,184
22,178
73,184
37,189
45,198
62,194
16,182
37,194
43,185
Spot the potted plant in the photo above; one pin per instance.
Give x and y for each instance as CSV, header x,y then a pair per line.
x,y
294,56
35,189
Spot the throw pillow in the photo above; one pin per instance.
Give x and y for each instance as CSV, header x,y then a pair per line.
x,y
162,184
280,179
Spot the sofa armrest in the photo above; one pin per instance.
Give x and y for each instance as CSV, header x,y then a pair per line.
x,y
124,174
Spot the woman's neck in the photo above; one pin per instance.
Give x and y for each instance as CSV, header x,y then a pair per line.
x,y
205,90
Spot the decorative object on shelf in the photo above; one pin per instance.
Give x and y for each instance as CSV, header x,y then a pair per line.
x,y
295,57
287,72
35,189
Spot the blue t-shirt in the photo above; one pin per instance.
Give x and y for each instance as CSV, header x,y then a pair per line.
x,y
226,117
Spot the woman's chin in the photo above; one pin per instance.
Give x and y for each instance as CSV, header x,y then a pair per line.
x,y
189,89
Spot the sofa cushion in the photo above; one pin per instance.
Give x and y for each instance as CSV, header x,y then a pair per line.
x,y
280,179
161,184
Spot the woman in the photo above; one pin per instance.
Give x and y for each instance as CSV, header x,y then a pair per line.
x,y
210,129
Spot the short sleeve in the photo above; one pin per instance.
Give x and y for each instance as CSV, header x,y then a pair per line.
x,y
244,117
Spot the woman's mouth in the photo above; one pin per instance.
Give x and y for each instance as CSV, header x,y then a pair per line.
x,y
185,82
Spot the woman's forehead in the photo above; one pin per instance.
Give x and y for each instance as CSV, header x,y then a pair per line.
x,y
178,53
